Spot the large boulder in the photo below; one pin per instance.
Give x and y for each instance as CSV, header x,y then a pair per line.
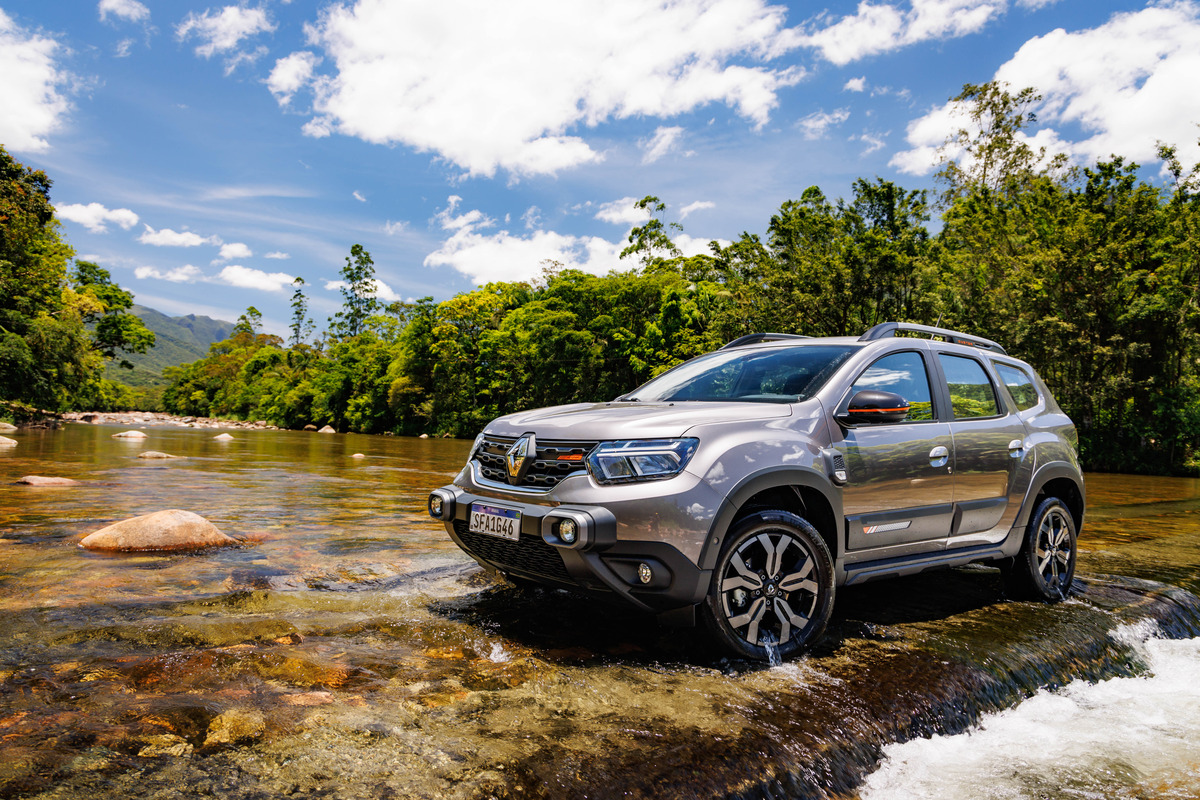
x,y
327,429
42,480
7,442
162,530
129,435
7,428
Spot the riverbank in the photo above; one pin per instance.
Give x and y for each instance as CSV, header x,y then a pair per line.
x,y
147,418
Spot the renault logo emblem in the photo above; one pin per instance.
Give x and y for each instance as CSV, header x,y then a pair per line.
x,y
520,457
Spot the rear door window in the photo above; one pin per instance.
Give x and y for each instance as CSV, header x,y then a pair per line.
x,y
971,392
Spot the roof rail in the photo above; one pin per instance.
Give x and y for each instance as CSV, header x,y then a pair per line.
x,y
886,329
756,338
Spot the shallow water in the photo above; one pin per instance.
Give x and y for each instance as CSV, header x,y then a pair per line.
x,y
349,649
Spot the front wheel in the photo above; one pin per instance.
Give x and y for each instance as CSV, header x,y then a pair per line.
x,y
772,591
1045,567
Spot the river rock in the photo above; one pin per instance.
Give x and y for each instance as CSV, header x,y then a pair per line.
x,y
327,429
310,427
235,725
7,428
223,437
358,455
423,436
7,442
129,435
162,530
155,454
41,480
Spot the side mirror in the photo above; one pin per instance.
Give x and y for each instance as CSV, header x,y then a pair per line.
x,y
872,406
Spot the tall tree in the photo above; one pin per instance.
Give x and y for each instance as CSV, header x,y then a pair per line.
x,y
358,288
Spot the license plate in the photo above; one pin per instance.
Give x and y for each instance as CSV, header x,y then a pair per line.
x,y
496,521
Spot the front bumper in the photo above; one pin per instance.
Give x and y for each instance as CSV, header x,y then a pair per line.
x,y
653,576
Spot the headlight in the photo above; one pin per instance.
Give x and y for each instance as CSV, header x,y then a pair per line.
x,y
640,459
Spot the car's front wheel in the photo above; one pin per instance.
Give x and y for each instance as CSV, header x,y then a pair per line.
x,y
772,591
1045,567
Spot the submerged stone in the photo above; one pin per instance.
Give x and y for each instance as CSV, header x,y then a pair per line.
x,y
7,428
43,480
155,454
234,726
223,437
162,530
129,435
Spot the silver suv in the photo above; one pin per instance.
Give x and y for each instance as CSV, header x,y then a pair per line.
x,y
750,482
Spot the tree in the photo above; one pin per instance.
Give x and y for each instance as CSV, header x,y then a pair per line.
x,y
648,240
105,305
358,288
301,326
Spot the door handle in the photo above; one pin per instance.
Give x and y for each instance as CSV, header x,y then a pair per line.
x,y
938,456
1015,448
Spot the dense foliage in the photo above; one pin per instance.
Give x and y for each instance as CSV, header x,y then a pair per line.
x,y
59,325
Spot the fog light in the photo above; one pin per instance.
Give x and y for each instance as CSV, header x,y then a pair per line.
x,y
644,573
435,505
567,531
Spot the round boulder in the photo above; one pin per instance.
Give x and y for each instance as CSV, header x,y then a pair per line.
x,y
42,480
162,530
310,427
327,429
7,442
7,428
358,455
129,435
223,437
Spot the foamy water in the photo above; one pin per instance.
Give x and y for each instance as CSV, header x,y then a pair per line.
x,y
1121,738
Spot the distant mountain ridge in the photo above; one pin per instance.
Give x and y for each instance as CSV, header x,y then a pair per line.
x,y
178,340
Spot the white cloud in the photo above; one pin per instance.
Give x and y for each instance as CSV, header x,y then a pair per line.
x,y
381,290
224,32
855,84
393,228
128,10
278,255
184,274
165,237
532,218
359,197
233,250
622,212
878,28
1123,86
514,85
291,74
661,143
29,91
699,205
96,217
247,278
872,141
501,256
817,123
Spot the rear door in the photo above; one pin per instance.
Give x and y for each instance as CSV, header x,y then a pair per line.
x,y
989,446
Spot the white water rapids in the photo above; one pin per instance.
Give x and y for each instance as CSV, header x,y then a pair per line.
x,y
1136,738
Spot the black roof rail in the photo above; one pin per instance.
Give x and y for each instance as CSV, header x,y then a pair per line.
x,y
885,329
756,338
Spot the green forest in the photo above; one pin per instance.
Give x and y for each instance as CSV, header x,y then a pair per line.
x,y
1090,274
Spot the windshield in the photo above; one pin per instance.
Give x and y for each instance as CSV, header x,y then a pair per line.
x,y
777,375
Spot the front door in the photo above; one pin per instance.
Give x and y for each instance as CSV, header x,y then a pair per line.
x,y
900,483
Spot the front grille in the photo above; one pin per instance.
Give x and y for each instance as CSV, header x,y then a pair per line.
x,y
546,471
530,555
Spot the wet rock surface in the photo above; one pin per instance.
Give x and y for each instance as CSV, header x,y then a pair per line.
x,y
173,529
44,480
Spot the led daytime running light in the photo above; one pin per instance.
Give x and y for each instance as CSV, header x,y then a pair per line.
x,y
637,460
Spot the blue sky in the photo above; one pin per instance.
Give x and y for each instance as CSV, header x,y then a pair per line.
x,y
208,154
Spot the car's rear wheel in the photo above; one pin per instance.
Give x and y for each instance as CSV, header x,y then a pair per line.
x,y
1045,567
772,590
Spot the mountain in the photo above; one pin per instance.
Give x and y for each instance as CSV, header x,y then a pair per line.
x,y
177,340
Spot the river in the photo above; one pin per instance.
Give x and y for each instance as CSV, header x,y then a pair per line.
x,y
349,649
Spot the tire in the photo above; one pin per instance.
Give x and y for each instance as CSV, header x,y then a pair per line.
x,y
1045,566
772,590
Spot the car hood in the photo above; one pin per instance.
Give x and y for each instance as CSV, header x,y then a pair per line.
x,y
629,420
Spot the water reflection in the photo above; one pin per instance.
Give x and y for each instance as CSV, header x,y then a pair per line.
x,y
349,649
